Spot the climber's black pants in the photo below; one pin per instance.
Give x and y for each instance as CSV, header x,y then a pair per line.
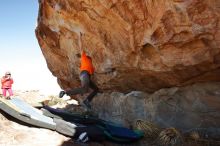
x,y
86,83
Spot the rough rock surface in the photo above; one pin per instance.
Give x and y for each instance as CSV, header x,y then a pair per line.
x,y
135,44
195,107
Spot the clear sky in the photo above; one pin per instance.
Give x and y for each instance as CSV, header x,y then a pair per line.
x,y
19,50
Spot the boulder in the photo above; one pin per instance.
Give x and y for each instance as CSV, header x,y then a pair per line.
x,y
142,45
195,107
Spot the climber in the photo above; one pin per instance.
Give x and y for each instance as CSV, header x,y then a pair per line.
x,y
86,70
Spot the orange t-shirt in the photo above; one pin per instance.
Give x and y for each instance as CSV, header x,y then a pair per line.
x,y
86,64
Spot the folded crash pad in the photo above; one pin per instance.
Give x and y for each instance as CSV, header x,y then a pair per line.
x,y
70,116
112,131
24,112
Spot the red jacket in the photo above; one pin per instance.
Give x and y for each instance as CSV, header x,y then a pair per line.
x,y
86,64
6,83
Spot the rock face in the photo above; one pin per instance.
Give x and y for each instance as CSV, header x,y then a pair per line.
x,y
145,45
13,134
192,108
135,44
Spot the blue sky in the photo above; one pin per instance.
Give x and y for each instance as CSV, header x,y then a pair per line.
x,y
19,49
17,24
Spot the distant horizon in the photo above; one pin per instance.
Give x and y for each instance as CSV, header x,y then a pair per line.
x,y
20,51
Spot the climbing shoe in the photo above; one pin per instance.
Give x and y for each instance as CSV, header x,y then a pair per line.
x,y
87,104
61,94
8,98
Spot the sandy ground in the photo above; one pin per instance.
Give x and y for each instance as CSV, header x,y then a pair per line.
x,y
15,134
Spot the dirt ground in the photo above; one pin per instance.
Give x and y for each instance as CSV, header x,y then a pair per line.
x,y
14,133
